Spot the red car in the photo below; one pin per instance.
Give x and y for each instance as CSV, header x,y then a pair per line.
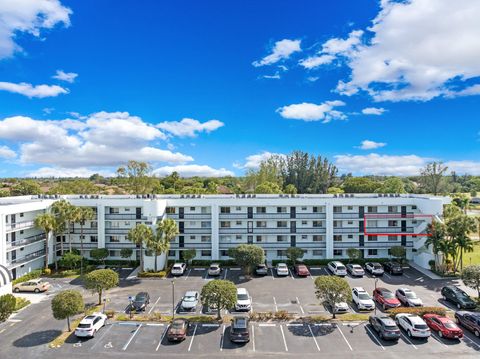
x,y
385,298
444,327
301,270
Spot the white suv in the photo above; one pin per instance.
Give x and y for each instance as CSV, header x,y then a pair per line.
x,y
413,325
178,269
90,325
337,268
244,301
362,300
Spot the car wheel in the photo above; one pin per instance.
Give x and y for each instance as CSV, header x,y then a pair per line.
x,y
457,320
37,290
440,334
477,333
93,334
17,290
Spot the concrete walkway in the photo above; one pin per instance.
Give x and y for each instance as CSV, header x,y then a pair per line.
x,y
134,274
424,271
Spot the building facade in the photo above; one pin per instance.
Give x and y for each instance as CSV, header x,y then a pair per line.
x,y
324,226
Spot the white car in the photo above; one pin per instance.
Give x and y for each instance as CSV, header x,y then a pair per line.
x,y
90,325
178,269
413,325
374,268
362,299
282,269
214,269
337,268
341,307
408,297
189,300
244,301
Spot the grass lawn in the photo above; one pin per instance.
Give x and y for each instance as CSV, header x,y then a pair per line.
x,y
473,257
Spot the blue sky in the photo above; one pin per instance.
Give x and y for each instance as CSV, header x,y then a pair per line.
x,y
213,87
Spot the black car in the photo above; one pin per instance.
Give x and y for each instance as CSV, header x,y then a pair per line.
x,y
458,297
141,301
469,320
239,332
393,268
385,327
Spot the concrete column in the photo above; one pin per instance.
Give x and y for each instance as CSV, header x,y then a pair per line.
x,y
3,241
329,230
215,229
101,225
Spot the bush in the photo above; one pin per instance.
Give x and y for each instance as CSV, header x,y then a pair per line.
x,y
21,303
101,280
47,271
7,306
431,263
420,311
66,304
149,274
206,263
32,275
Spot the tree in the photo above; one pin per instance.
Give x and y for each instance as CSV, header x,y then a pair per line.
x,y
46,222
294,254
219,294
101,280
81,215
166,232
471,277
335,190
25,187
141,234
268,188
70,260
67,303
331,290
99,254
462,201
432,176
436,240
360,185
138,177
7,306
392,185
399,252
458,228
60,210
290,189
247,256
353,253
126,253
189,254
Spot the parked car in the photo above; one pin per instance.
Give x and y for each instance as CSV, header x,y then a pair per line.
x,y
261,269
177,331
33,285
469,320
413,325
189,300
178,269
385,298
337,268
244,301
385,327
239,331
282,270
458,297
443,326
362,300
91,324
408,297
214,269
140,301
374,268
393,268
355,270
301,270
340,307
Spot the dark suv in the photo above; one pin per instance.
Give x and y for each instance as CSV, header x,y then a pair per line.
x,y
393,268
385,327
239,332
140,301
458,297
469,320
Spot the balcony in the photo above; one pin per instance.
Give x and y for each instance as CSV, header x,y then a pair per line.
x,y
197,230
346,230
28,258
120,245
190,216
316,215
388,230
117,230
346,216
19,225
85,231
123,216
311,245
26,241
86,245
371,244
311,230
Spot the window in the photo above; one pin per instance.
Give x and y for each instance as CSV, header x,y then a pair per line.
x,y
21,214
127,209
127,224
372,238
414,207
224,253
317,209
282,224
350,236
317,252
171,253
372,209
238,208
225,238
337,237
113,210
304,223
170,210
372,252
204,210
205,224
371,223
238,237
304,208
192,237
281,253
261,210
112,253
392,238
259,239
82,237
392,223
337,209
337,224
392,209
224,224
94,239
206,253
350,222
350,208
304,236
318,238
114,239
337,252
261,224
317,224
239,223
224,209
205,239
281,209
282,238
192,209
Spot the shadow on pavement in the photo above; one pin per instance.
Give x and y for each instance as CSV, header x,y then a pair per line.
x,y
37,338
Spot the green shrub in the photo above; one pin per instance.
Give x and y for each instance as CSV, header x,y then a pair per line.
x,y
149,274
21,303
420,311
47,271
32,275
7,306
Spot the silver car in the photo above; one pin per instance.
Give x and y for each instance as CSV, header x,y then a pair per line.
x,y
189,300
214,269
408,297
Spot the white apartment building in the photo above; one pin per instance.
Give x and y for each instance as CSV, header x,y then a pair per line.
x,y
325,226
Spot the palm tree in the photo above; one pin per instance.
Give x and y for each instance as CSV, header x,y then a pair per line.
x,y
140,235
46,222
61,210
437,236
464,244
81,215
167,230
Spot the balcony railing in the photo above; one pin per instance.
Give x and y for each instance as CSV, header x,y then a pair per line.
x,y
85,231
370,244
86,245
25,241
28,258
346,230
123,216
311,230
346,215
19,225
316,215
197,230
392,230
117,230
190,216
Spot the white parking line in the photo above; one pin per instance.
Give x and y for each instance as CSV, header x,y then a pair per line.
x,y
374,337
346,341
271,271
153,306
313,337
131,338
154,324
253,337
408,340
283,336
291,274
101,337
275,302
294,325
208,325
193,337
222,338
186,277
298,302
385,274
406,275
198,269
225,275
267,325
161,338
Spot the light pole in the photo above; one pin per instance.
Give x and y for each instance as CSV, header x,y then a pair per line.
x,y
376,280
104,304
173,298
130,298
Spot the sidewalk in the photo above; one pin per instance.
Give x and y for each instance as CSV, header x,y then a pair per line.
x,y
134,274
424,271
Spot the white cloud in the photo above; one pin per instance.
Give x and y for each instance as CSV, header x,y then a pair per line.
x,y
39,91
414,53
193,170
189,127
56,172
313,112
6,152
275,76
65,76
253,161
371,145
282,50
464,167
315,61
375,164
373,111
28,16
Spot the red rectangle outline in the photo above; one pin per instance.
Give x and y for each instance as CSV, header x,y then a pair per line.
x,y
393,215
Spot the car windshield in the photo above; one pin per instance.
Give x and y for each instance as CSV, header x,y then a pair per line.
x,y
377,266
357,267
139,298
420,326
387,295
363,296
410,295
177,325
213,267
177,266
463,295
340,268
282,266
451,325
242,296
189,299
261,266
83,325
390,327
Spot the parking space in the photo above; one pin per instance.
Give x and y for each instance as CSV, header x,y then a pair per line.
x,y
269,337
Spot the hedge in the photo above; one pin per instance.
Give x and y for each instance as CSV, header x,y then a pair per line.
x,y
324,262
147,274
206,263
420,311
32,275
